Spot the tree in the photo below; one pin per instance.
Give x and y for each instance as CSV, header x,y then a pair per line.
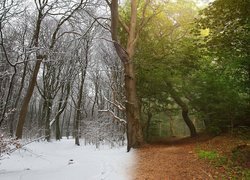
x,y
134,131
8,10
43,9
227,23
224,71
166,58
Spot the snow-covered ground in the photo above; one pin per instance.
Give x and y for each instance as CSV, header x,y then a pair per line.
x,y
62,160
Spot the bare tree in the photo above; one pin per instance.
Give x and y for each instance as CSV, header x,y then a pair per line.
x,y
43,9
8,10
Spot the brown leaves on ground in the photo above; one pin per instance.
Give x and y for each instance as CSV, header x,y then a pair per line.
x,y
178,160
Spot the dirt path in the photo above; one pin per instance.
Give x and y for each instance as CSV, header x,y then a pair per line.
x,y
171,162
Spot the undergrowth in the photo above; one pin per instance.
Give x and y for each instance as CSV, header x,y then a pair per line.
x,y
227,166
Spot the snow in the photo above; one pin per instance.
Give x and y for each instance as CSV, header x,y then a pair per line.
x,y
62,160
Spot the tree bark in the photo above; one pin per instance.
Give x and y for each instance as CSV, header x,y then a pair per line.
x,y
134,130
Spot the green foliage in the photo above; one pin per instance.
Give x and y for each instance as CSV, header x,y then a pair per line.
x,y
221,86
217,98
210,72
209,155
216,159
165,52
232,170
229,36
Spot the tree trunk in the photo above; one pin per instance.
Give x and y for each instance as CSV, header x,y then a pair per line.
x,y
32,83
148,125
78,108
58,132
171,124
68,122
134,130
62,105
49,103
25,105
184,108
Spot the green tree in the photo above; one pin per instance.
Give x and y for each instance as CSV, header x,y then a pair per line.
x,y
222,94
166,56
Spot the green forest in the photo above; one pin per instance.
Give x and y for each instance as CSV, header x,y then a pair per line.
x,y
192,63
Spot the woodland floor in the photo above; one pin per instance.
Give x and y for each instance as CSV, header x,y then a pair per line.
x,y
177,159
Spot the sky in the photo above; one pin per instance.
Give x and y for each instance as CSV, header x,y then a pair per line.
x,y
202,3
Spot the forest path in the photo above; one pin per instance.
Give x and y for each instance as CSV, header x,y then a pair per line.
x,y
171,160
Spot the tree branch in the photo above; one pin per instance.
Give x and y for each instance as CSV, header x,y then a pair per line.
x,y
113,115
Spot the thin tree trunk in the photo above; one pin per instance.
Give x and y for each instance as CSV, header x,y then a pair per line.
x,y
148,125
78,110
171,124
47,119
63,122
68,123
61,108
96,97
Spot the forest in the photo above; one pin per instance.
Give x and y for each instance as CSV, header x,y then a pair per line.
x,y
123,73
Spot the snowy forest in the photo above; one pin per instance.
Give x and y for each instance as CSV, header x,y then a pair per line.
x,y
123,73
59,74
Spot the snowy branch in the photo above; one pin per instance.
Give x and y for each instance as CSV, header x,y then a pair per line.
x,y
116,104
113,115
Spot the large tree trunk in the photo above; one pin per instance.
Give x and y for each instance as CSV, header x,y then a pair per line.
x,y
184,108
134,130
